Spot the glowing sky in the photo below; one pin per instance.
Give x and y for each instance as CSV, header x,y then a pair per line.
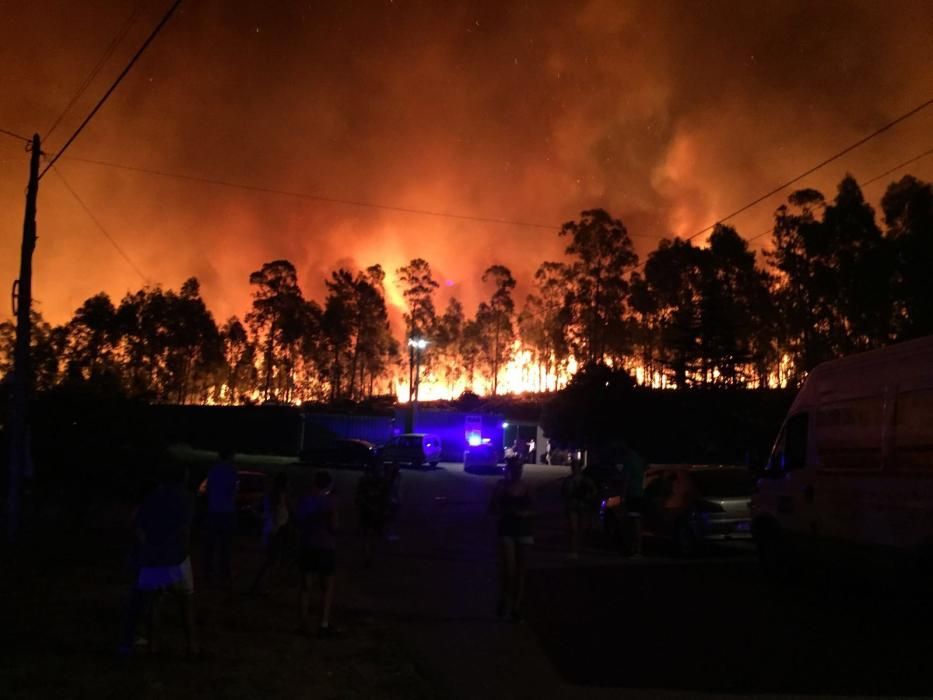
x,y
669,114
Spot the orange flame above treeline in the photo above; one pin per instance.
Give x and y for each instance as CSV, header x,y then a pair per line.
x,y
690,316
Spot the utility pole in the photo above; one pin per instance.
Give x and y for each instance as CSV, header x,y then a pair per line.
x,y
417,372
410,414
415,347
22,370
411,370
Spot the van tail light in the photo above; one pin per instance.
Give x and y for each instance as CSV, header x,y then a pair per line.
x,y
709,507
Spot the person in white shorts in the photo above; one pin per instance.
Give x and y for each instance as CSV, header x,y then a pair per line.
x,y
163,526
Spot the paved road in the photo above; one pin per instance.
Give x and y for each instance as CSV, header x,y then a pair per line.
x,y
712,624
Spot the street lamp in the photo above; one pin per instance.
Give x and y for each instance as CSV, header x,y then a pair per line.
x,y
415,347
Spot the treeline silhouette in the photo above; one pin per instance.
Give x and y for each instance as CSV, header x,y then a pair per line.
x,y
833,282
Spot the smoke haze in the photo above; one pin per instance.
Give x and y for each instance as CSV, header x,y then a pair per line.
x,y
669,115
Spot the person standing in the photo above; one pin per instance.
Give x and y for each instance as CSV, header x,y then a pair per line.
x,y
512,504
633,470
394,500
316,515
275,514
372,502
221,517
578,493
163,530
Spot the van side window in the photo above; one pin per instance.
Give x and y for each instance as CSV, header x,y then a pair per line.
x,y
913,430
849,433
790,450
795,449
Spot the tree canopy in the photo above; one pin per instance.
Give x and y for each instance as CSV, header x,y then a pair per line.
x,y
833,280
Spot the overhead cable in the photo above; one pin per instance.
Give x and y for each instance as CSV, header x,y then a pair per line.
x,y
113,87
108,52
100,227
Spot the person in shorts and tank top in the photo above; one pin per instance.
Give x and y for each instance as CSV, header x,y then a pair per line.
x,y
372,503
512,504
221,517
275,514
316,515
163,528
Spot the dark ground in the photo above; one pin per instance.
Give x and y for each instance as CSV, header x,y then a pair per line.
x,y
63,607
421,623
719,627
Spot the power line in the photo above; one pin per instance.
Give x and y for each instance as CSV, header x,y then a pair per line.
x,y
898,167
100,227
16,136
812,170
318,198
113,87
822,205
837,156
482,219
108,52
819,165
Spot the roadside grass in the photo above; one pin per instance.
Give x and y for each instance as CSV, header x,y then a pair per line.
x,y
195,457
65,594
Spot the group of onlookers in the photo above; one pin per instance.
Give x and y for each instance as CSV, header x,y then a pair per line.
x,y
163,527
163,524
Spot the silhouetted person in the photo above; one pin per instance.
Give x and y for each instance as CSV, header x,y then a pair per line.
x,y
163,529
275,515
633,469
393,500
221,516
578,492
372,503
512,504
316,516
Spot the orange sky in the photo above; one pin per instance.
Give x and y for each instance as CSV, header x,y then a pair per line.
x,y
667,114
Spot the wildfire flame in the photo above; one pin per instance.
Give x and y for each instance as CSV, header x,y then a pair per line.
x,y
523,374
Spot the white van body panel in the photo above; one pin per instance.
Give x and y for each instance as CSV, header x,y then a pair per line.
x,y
865,475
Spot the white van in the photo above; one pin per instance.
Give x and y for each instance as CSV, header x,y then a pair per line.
x,y
852,468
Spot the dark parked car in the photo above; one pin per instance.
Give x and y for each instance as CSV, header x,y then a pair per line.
x,y
690,505
415,449
357,454
481,458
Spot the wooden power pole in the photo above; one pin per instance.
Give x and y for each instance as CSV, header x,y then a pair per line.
x,y
20,452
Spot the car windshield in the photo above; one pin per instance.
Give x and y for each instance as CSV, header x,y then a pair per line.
x,y
725,483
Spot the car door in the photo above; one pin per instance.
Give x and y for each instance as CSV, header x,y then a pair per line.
x,y
790,492
390,452
432,448
659,487
412,450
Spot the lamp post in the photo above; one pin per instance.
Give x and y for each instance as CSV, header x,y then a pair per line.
x,y
415,347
